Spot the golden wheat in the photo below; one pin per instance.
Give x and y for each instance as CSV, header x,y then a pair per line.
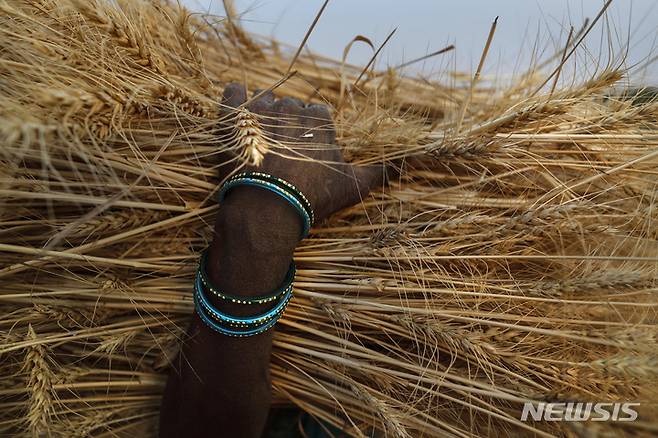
x,y
512,260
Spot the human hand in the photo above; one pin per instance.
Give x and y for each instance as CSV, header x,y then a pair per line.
x,y
296,142
225,380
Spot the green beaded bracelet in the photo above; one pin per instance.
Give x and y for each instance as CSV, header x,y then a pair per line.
x,y
282,188
283,184
239,322
261,299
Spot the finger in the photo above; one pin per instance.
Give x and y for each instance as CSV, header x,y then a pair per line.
x,y
289,127
234,95
369,178
299,102
263,102
394,170
397,169
288,105
364,179
262,106
318,118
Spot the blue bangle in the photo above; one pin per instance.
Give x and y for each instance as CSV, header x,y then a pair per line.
x,y
261,299
237,321
231,332
275,185
284,185
274,189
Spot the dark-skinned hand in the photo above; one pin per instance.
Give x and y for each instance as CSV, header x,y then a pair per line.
x,y
329,183
220,386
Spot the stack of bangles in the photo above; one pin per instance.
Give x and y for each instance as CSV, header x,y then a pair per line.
x,y
248,326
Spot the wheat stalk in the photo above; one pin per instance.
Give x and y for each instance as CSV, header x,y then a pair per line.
x,y
40,385
512,260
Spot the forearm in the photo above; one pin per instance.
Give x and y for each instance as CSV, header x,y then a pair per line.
x,y
255,236
224,381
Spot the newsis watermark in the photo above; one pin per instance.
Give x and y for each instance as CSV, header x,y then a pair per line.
x,y
579,411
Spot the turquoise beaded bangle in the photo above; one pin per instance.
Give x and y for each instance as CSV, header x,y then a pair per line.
x,y
237,321
285,185
278,186
240,326
229,331
261,299
274,189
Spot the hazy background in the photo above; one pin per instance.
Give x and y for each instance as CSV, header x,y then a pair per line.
x,y
424,26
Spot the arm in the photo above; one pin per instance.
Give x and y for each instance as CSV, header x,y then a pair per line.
x,y
220,385
220,382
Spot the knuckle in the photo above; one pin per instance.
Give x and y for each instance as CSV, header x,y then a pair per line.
x,y
234,95
319,110
319,116
263,104
234,89
259,106
266,96
287,104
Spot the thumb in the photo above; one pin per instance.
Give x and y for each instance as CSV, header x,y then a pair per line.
x,y
363,180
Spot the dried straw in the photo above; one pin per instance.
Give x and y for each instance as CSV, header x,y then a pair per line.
x,y
513,260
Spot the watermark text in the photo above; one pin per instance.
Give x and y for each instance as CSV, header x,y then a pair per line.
x,y
579,411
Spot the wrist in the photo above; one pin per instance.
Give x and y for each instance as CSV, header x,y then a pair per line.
x,y
255,236
256,223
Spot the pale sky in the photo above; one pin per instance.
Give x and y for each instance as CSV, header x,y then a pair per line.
x,y
424,26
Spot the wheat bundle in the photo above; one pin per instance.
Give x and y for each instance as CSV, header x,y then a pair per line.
x,y
514,259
